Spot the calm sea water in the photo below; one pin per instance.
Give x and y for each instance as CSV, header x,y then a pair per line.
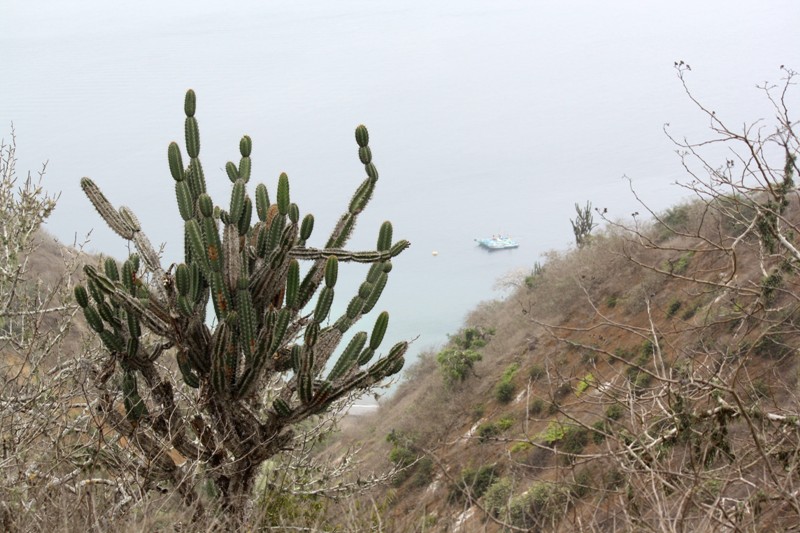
x,y
484,117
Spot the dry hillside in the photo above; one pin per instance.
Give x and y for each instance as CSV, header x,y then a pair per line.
x,y
647,381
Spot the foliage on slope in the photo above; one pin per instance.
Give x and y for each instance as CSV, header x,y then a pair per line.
x,y
625,386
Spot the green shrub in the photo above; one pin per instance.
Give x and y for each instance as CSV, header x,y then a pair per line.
x,y
536,407
553,434
423,472
570,439
403,457
772,347
510,371
599,433
537,371
673,219
521,447
472,483
497,496
761,389
457,361
471,338
428,521
539,506
582,484
562,390
520,511
456,365
611,301
613,479
690,312
710,490
621,353
769,286
275,507
638,379
680,266
647,348
642,381
487,431
401,454
673,307
573,442
505,423
614,411
504,391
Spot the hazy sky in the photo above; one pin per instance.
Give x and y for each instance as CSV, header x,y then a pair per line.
x,y
485,116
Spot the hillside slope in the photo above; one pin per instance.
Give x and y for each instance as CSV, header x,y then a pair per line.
x,y
647,381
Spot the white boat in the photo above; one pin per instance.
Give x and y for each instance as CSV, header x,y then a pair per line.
x,y
498,242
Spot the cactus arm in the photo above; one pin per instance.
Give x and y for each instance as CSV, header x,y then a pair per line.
x,y
349,356
149,312
341,232
110,215
222,340
232,258
346,255
134,405
264,282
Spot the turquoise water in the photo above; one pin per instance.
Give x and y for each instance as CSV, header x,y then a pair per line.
x,y
485,117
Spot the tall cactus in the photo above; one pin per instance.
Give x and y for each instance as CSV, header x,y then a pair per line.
x,y
267,327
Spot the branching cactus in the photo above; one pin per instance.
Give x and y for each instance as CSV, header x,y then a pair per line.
x,y
268,358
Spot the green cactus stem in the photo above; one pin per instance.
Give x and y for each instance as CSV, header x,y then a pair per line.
x,y
283,194
245,146
349,356
306,227
281,408
362,136
331,271
175,162
232,171
182,281
262,202
245,165
379,330
93,319
237,200
292,284
385,237
135,408
81,296
190,103
247,215
192,137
